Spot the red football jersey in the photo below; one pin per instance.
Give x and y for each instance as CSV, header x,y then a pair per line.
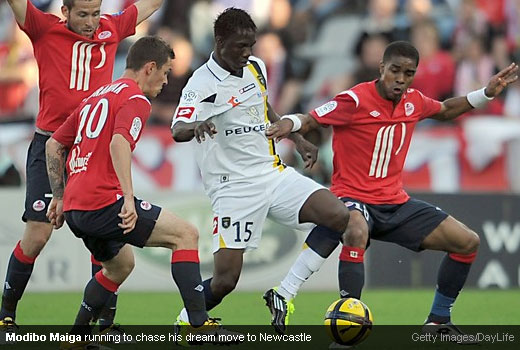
x,y
71,66
370,141
117,108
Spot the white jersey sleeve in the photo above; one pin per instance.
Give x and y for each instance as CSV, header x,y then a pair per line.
x,y
196,103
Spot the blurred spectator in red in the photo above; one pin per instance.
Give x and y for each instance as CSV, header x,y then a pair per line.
x,y
494,11
512,14
436,70
18,74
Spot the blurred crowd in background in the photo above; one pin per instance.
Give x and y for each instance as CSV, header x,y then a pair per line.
x,y
314,49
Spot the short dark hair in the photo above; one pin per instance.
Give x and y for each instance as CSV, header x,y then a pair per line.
x,y
401,48
69,4
231,21
148,49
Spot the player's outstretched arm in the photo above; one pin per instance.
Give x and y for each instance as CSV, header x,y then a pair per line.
x,y
183,132
19,8
301,123
454,107
307,150
55,159
145,8
121,155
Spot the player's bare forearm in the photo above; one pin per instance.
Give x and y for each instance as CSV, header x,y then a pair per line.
x,y
55,159
183,132
19,8
452,108
308,123
121,155
145,8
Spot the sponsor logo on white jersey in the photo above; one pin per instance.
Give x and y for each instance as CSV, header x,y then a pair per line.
x,y
78,164
326,108
189,96
233,101
184,112
81,62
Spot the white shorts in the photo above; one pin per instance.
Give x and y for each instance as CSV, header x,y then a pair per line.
x,y
240,210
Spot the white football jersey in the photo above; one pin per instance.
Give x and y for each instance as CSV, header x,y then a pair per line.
x,y
240,151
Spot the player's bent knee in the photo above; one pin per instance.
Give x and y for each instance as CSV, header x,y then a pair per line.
x,y
472,244
188,239
338,218
356,236
36,237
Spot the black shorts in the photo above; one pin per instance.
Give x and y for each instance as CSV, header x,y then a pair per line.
x,y
38,193
101,234
405,224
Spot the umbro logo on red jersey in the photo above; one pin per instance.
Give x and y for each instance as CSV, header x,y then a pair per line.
x,y
375,114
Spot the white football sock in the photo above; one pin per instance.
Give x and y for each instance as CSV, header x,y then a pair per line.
x,y
183,316
305,265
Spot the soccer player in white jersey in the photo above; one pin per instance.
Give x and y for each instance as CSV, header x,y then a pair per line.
x,y
224,106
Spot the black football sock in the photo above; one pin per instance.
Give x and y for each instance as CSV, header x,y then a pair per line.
x,y
351,272
323,240
108,313
211,300
18,274
97,292
451,277
186,274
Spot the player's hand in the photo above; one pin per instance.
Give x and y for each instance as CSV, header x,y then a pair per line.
x,y
279,130
501,80
128,215
205,127
55,213
307,150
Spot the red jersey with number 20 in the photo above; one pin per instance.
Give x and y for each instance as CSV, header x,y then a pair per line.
x,y
71,66
117,108
370,141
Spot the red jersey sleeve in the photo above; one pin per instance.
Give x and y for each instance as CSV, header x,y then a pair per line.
x,y
338,111
429,106
124,22
131,118
66,133
37,22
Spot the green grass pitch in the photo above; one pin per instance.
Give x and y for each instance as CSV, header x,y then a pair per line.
x,y
389,307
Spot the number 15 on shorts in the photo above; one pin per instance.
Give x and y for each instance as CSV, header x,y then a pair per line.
x,y
243,230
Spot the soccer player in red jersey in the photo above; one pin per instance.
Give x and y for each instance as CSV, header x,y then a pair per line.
x,y
372,127
75,56
98,201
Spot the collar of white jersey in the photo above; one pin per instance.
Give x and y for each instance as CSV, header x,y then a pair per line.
x,y
215,69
